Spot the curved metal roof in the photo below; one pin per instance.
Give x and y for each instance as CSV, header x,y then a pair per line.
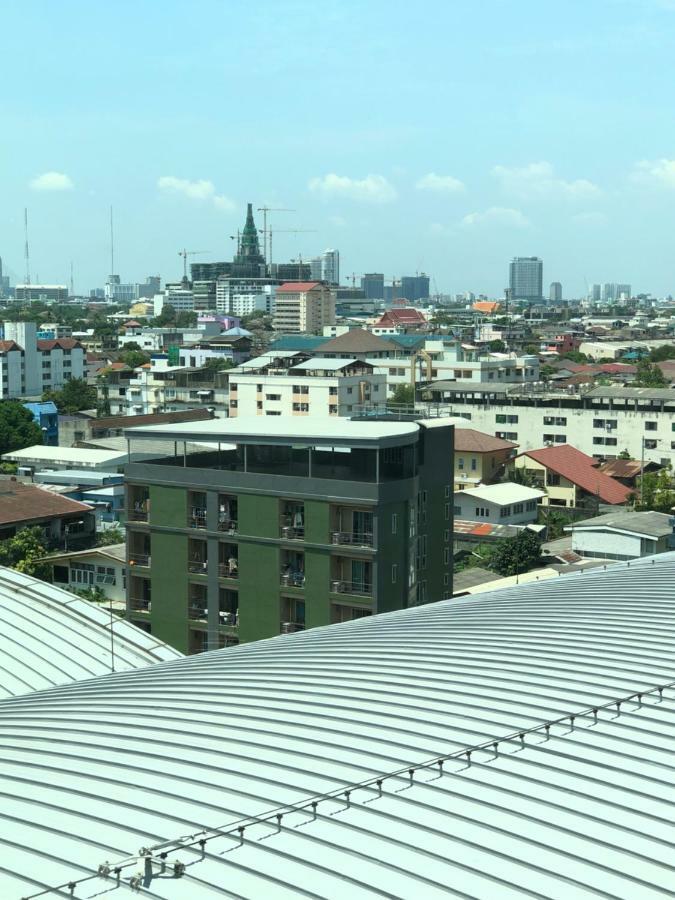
x,y
49,637
259,752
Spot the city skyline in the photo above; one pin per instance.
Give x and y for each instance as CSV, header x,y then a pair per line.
x,y
452,168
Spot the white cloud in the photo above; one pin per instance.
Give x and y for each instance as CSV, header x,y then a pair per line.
x,y
52,181
338,221
371,189
441,184
659,172
594,219
496,215
195,190
540,179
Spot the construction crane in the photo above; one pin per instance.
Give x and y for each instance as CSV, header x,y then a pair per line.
x,y
288,231
264,210
185,253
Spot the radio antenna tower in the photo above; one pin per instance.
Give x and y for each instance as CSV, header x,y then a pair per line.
x,y
26,253
112,246
72,280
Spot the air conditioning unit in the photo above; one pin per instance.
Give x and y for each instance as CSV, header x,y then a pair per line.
x,y
337,587
335,537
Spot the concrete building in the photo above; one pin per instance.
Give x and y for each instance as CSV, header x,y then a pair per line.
x,y
601,421
29,367
372,285
555,293
570,478
414,287
498,504
40,458
526,276
278,524
479,458
304,307
46,415
243,296
623,535
292,384
44,292
326,267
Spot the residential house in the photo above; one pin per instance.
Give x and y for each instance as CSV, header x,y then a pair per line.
x,y
104,568
498,504
479,458
623,535
63,522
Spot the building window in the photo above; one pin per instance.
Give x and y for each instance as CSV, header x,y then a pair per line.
x,y
503,419
258,387
394,573
553,479
272,412
446,556
447,512
333,391
474,463
394,523
259,404
301,407
448,491
272,396
651,426
332,409
482,512
233,404
650,445
460,463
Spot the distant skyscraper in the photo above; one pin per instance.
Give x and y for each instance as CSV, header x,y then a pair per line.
x,y
414,287
372,285
326,267
555,292
526,277
623,291
595,293
4,282
609,292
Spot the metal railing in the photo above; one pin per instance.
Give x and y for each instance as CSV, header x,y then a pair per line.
x,y
139,559
140,604
353,538
229,525
228,570
197,519
291,627
291,533
292,579
228,618
358,588
199,613
198,566
137,515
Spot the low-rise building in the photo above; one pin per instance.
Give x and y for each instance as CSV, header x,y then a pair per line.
x,y
623,535
63,522
498,504
29,366
40,458
46,416
104,568
292,385
479,458
570,478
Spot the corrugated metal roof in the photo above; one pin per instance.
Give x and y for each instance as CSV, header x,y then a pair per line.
x,y
49,637
233,747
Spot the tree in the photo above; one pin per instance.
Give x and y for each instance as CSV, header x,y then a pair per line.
x,y
659,354
166,317
517,554
546,372
656,490
186,319
625,454
404,395
575,356
649,375
75,395
113,535
23,551
94,594
134,358
18,428
217,364
497,346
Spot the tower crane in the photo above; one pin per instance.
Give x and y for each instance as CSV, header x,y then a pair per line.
x,y
185,253
264,210
288,231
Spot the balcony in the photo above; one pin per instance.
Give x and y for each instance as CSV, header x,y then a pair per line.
x,y
354,588
291,533
138,504
198,613
197,558
140,604
228,509
292,521
352,538
292,579
139,559
292,572
197,518
291,627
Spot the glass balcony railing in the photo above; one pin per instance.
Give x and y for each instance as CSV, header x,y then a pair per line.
x,y
140,604
197,519
356,588
139,559
292,579
353,538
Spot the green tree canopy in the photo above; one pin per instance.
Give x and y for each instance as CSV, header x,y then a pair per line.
x,y
186,319
217,364
497,346
656,491
649,375
575,356
166,317
22,552
517,554
75,395
659,354
404,395
134,358
18,428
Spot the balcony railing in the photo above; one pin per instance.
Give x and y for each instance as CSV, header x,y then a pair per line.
x,y
353,538
228,618
291,533
198,613
292,579
137,515
228,570
139,559
358,588
197,566
197,519
228,525
139,604
291,627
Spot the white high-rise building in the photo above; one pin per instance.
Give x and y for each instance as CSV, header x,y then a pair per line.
x,y
326,267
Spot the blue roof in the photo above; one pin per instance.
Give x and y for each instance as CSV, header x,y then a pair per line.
x,y
41,406
298,342
405,340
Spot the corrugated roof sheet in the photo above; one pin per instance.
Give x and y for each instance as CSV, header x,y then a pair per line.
x,y
468,440
26,502
250,738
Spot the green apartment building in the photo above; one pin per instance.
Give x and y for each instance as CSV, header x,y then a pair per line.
x,y
243,529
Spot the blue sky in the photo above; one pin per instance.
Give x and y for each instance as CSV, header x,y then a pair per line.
x,y
439,136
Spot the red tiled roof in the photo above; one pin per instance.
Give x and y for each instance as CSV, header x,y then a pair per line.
x,y
8,345
468,440
132,323
406,315
621,468
294,287
64,343
581,470
486,306
26,502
